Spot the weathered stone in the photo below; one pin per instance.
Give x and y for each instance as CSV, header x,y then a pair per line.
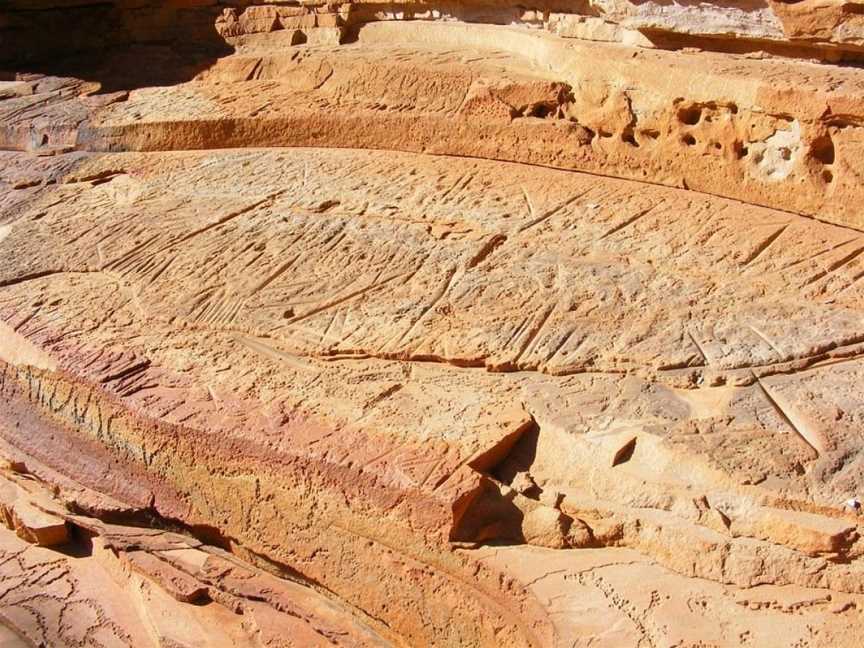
x,y
314,330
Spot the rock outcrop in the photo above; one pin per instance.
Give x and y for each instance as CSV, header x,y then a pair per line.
x,y
431,324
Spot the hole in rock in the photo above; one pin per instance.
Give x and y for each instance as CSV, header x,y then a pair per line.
x,y
624,453
689,140
822,149
519,460
540,110
690,115
827,176
80,543
489,516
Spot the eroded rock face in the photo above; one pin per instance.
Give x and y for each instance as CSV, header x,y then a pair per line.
x,y
831,29
314,330
775,133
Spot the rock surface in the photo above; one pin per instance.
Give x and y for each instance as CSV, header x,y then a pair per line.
x,y
431,324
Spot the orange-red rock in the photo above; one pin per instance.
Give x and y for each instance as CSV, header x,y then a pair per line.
x,y
418,324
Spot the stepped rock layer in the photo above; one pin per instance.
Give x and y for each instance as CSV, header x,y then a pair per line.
x,y
766,131
826,29
431,324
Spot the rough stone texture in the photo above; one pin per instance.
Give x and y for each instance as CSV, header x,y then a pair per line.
x,y
314,330
782,134
121,585
827,29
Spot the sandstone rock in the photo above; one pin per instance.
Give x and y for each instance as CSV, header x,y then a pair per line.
x,y
176,583
806,532
546,527
431,324
38,527
29,522
751,141
595,29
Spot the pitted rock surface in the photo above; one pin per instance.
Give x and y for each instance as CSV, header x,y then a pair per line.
x,y
431,324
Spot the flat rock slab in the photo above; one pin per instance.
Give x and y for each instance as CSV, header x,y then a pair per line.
x,y
412,257
368,355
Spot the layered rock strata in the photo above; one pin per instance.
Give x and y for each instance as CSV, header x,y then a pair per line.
x,y
824,29
769,132
329,338
303,362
